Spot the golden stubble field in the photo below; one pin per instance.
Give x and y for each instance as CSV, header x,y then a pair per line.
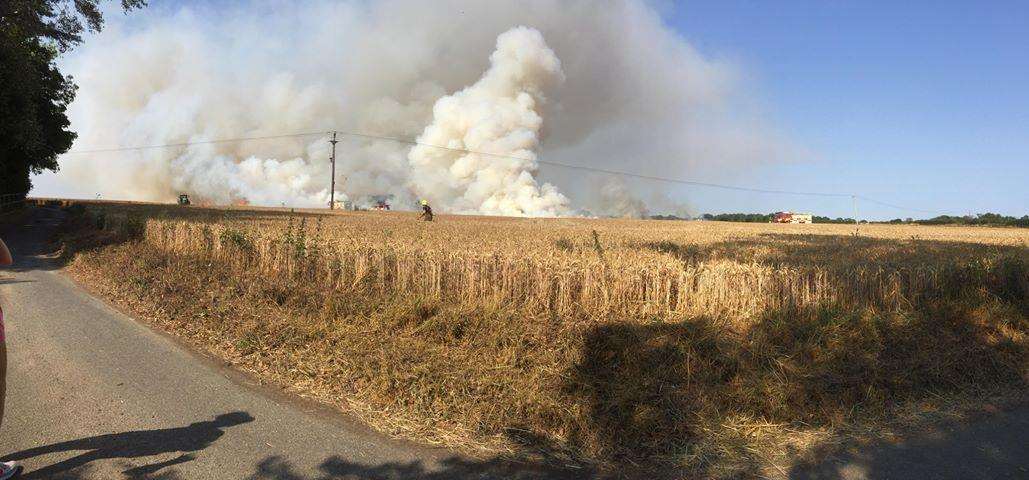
x,y
712,349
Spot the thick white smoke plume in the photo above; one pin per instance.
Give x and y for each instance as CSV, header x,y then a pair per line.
x,y
603,84
497,115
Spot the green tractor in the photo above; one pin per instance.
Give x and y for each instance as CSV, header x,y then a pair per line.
x,y
183,199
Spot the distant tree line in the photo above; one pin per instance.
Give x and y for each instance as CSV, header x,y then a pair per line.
x,y
668,217
740,217
817,219
765,218
991,219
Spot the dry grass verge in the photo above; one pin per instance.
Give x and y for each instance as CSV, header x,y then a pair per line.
x,y
716,359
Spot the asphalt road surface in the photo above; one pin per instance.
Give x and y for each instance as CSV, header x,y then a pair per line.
x,y
94,394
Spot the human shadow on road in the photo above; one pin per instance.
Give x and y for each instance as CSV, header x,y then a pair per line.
x,y
136,444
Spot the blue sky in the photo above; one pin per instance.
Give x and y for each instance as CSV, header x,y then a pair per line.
x,y
920,104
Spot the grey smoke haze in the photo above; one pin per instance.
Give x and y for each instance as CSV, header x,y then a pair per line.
x,y
622,91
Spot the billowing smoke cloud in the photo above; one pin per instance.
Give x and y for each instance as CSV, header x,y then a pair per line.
x,y
605,85
497,115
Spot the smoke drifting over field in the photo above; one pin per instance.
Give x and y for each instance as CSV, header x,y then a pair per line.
x,y
497,115
607,86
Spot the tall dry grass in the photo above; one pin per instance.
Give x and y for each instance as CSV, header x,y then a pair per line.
x,y
623,272
633,344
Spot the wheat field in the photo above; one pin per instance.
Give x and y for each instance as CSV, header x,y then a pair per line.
x,y
714,349
597,267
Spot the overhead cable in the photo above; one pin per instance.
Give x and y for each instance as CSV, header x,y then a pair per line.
x,y
512,157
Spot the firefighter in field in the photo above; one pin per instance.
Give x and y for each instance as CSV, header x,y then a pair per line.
x,y
426,212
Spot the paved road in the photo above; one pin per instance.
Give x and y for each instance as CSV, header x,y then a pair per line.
x,y
94,394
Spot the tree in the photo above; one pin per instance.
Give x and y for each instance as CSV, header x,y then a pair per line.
x,y
740,217
818,219
34,94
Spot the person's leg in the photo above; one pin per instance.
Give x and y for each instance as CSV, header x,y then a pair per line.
x,y
7,469
3,369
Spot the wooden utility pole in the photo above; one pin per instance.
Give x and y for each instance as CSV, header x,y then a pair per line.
x,y
332,187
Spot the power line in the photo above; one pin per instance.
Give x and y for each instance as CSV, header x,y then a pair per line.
x,y
640,176
200,142
691,182
599,170
414,142
512,157
898,207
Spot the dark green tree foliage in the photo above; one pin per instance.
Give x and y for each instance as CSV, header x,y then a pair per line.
x,y
740,217
817,219
992,219
34,95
